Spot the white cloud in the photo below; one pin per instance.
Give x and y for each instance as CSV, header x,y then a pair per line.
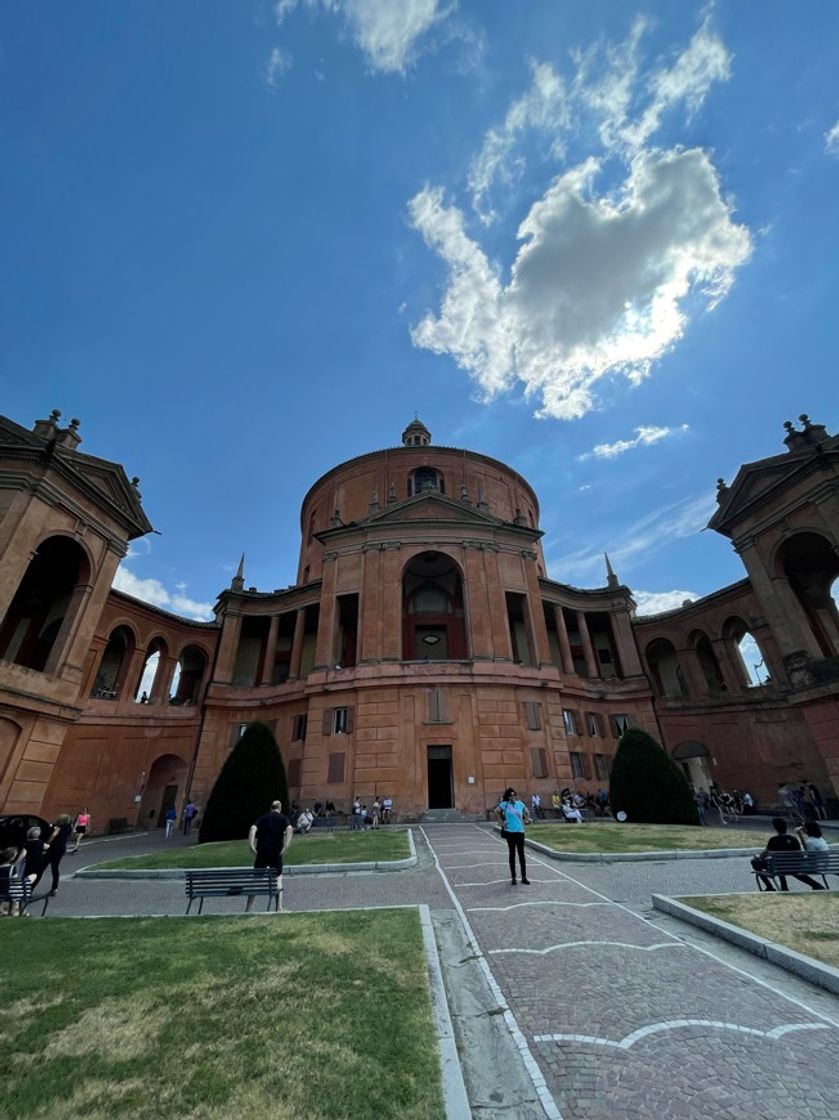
x,y
152,591
598,285
644,436
544,106
279,63
638,542
654,602
831,140
387,31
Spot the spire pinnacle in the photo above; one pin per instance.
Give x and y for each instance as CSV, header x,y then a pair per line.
x,y
611,578
238,581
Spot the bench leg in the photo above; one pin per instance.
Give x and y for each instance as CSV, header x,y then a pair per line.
x,y
189,905
200,904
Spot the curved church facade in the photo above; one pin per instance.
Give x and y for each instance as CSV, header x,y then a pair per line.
x,y
422,651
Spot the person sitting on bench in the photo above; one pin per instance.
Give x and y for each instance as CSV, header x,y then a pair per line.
x,y
781,842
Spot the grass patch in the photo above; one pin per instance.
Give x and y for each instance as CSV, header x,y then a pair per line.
x,y
807,923
293,1017
642,837
334,847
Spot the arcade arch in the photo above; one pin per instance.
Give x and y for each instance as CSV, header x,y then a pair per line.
x,y
665,670
811,565
747,656
696,763
113,667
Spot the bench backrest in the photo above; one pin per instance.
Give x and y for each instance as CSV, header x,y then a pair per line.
x,y
232,881
14,889
818,863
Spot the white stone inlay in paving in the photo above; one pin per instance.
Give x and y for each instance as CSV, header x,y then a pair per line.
x,y
678,1024
517,905
575,944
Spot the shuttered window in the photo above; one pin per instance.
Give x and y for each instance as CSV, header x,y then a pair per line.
x,y
299,727
576,764
539,762
437,706
533,715
601,767
336,768
569,718
294,768
620,724
337,721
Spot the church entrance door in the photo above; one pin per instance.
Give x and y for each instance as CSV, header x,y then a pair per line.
x,y
440,777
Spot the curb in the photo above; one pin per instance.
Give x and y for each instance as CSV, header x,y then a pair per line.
x,y
297,869
454,1088
635,857
823,975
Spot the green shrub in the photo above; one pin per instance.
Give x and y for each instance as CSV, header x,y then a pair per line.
x,y
252,777
648,785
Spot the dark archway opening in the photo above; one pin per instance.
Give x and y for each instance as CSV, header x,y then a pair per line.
x,y
433,616
440,777
811,565
114,665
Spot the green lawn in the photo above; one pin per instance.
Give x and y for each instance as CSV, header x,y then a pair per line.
x,y
642,837
292,1017
805,922
336,847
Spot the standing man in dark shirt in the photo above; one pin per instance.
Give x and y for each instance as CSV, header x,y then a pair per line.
x,y
269,838
781,842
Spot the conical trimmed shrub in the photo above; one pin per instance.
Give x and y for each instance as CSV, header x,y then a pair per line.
x,y
648,785
252,777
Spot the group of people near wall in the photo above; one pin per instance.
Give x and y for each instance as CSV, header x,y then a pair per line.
x,y
802,801
31,860
730,805
360,816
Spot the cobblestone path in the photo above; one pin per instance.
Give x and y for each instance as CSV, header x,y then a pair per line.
x,y
622,1019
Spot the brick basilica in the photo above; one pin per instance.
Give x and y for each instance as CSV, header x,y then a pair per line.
x,y
422,651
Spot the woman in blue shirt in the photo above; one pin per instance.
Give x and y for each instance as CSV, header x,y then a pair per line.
x,y
513,816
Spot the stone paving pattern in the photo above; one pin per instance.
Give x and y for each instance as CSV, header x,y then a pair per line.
x,y
650,1026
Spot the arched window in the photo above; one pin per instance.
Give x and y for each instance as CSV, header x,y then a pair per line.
x,y
434,625
189,673
157,650
424,479
114,665
811,564
747,655
44,599
708,662
665,670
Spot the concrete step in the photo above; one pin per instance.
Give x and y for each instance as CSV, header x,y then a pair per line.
x,y
449,816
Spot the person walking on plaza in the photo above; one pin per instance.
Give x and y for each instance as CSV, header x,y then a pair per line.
x,y
376,813
513,816
56,848
171,818
190,809
268,839
81,825
387,809
816,800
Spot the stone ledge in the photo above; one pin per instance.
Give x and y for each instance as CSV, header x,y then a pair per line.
x,y
823,975
635,857
295,869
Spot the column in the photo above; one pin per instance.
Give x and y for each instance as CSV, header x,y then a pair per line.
x,y
588,649
780,606
476,603
228,647
163,680
538,628
270,650
564,644
325,647
502,647
625,641
390,592
370,612
131,680
297,644
697,685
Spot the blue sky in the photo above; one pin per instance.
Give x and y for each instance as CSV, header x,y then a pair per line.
x,y
244,242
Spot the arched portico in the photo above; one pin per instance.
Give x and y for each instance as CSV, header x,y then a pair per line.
x,y
165,787
696,762
433,612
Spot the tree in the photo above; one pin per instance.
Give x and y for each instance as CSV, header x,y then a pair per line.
x,y
252,777
648,785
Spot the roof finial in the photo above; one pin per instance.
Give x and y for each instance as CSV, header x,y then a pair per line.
x,y
238,581
611,578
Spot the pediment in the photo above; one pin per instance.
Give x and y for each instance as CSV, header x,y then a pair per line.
x,y
752,482
432,506
13,435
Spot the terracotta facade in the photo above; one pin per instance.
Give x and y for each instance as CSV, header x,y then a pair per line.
x,y
422,652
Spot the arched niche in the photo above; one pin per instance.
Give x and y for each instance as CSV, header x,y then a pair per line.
x,y
189,675
665,670
695,759
156,651
113,666
699,641
433,615
811,565
746,653
165,787
48,596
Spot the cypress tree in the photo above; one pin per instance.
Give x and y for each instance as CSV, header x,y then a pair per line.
x,y
648,785
252,777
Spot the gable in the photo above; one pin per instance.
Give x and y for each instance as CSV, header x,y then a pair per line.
x,y
753,482
432,506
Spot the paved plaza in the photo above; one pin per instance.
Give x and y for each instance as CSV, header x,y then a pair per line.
x,y
614,1011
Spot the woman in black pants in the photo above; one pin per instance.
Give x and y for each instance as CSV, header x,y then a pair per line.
x,y
513,816
56,847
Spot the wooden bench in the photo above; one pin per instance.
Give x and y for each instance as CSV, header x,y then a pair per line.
x,y
228,882
324,822
798,863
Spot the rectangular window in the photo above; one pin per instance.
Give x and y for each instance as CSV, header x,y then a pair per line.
x,y
237,730
576,764
437,706
342,724
539,762
300,725
620,724
569,719
533,715
294,768
601,767
594,725
336,768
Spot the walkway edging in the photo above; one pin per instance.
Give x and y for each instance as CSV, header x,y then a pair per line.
x,y
823,975
634,857
295,869
451,1072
